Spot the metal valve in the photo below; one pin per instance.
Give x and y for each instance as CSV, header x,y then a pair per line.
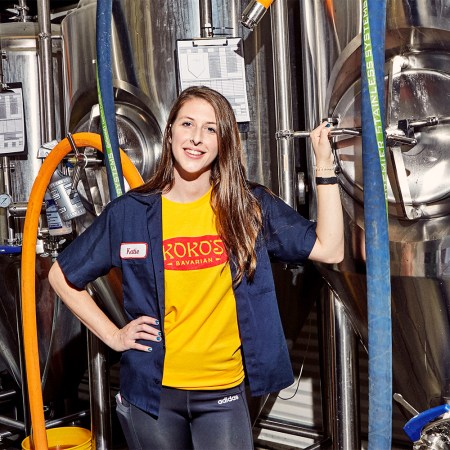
x,y
80,164
391,138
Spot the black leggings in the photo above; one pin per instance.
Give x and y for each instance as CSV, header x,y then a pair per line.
x,y
200,420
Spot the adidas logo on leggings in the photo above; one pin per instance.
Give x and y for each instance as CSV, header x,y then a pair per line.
x,y
228,399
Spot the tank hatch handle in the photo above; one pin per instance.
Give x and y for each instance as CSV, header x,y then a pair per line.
x,y
415,425
391,138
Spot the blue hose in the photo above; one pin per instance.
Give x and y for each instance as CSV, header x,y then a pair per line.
x,y
376,225
106,99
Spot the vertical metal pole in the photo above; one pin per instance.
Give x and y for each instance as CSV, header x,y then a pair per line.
x,y
46,71
206,28
325,321
283,99
22,9
234,22
6,167
341,384
99,394
98,361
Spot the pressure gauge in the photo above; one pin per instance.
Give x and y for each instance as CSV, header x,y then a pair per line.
x,y
5,200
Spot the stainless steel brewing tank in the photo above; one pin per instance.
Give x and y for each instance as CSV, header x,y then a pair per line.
x,y
145,75
58,331
19,41
417,89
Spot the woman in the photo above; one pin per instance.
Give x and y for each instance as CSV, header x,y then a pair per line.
x,y
194,244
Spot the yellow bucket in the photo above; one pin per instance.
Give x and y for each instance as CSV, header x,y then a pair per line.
x,y
70,438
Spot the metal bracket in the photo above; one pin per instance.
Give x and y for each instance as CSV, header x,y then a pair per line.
x,y
46,148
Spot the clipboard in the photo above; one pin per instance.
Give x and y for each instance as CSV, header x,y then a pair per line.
x,y
12,120
219,64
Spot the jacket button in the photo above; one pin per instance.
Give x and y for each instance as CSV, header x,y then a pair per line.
x,y
157,380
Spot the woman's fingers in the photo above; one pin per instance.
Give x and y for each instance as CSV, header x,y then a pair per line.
x,y
148,325
143,328
321,142
321,132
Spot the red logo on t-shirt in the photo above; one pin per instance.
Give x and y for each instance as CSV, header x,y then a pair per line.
x,y
192,253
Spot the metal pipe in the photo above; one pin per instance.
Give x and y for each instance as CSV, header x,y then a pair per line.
x,y
46,71
4,420
339,374
7,190
254,12
99,393
283,99
67,419
22,10
288,428
7,394
295,430
289,134
19,209
98,367
206,28
325,321
3,85
346,426
234,22
104,294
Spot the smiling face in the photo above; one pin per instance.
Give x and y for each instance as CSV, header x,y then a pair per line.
x,y
194,140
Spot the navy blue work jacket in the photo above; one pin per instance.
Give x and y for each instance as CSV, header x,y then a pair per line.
x,y
135,219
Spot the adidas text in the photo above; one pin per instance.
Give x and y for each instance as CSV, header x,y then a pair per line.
x,y
228,399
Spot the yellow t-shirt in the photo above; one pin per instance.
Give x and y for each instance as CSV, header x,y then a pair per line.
x,y
203,347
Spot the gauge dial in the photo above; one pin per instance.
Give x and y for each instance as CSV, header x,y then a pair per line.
x,y
5,200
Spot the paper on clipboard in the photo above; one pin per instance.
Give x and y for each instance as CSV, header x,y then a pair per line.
x,y
218,64
12,121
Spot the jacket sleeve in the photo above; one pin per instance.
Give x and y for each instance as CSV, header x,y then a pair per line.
x,y
94,252
288,236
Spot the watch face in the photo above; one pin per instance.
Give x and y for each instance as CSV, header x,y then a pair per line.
x,y
5,200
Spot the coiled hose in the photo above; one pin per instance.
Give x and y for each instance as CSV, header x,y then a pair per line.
x,y
29,325
376,225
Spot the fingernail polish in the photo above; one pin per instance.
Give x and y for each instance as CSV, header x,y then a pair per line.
x,y
156,322
158,338
149,349
328,125
159,333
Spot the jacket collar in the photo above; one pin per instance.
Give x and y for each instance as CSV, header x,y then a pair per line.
x,y
145,198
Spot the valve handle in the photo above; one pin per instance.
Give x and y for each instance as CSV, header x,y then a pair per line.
x,y
415,425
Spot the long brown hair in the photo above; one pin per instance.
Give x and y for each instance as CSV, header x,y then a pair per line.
x,y
237,211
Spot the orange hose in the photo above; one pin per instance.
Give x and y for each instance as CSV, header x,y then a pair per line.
x,y
29,326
